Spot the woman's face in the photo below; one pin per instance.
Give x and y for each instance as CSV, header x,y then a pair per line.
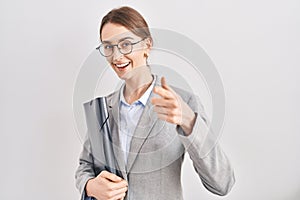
x,y
123,64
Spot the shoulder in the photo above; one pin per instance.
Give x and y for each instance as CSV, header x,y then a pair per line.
x,y
108,97
185,95
190,98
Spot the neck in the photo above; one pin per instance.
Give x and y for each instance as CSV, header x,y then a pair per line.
x,y
137,84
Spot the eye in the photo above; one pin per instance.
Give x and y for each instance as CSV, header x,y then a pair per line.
x,y
125,44
107,46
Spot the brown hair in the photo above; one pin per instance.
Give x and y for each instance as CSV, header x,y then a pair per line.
x,y
130,19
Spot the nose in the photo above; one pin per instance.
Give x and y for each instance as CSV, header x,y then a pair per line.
x,y
116,54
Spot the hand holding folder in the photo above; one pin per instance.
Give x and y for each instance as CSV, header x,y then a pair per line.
x,y
109,179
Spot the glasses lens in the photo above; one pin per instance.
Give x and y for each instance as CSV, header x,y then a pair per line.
x,y
106,49
125,47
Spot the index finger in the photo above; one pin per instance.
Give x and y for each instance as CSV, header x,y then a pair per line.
x,y
163,92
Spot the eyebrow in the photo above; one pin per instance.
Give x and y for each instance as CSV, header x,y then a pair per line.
x,y
119,39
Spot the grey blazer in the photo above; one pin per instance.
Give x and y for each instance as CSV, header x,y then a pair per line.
x,y
153,168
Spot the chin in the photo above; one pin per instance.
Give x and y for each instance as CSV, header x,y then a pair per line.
x,y
127,75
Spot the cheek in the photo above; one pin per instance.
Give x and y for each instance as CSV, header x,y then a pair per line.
x,y
137,58
109,60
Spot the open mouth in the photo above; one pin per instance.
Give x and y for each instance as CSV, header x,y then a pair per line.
x,y
122,65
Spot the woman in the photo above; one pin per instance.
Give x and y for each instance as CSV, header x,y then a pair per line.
x,y
152,125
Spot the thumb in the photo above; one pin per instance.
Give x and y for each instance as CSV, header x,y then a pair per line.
x,y
164,83
166,86
110,176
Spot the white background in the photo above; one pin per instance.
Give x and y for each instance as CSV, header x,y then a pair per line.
x,y
255,46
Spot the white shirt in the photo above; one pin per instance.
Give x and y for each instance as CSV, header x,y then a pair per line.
x,y
129,117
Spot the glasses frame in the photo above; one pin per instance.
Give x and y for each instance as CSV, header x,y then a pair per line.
x,y
117,45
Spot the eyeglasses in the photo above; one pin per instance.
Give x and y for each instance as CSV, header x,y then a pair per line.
x,y
124,47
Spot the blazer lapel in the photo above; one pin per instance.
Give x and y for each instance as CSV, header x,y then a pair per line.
x,y
113,111
142,131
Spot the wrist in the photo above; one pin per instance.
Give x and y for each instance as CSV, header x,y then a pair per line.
x,y
188,123
88,187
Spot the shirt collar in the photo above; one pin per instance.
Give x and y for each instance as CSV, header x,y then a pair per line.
x,y
143,99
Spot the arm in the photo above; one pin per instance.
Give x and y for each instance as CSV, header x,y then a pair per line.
x,y
103,186
187,113
85,170
210,162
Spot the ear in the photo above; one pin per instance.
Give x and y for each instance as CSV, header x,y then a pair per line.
x,y
148,42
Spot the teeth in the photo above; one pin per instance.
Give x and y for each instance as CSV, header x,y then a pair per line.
x,y
122,65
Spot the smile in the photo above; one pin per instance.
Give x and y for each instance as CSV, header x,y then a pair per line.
x,y
122,65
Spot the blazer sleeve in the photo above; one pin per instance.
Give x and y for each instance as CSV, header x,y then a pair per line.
x,y
209,161
85,170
